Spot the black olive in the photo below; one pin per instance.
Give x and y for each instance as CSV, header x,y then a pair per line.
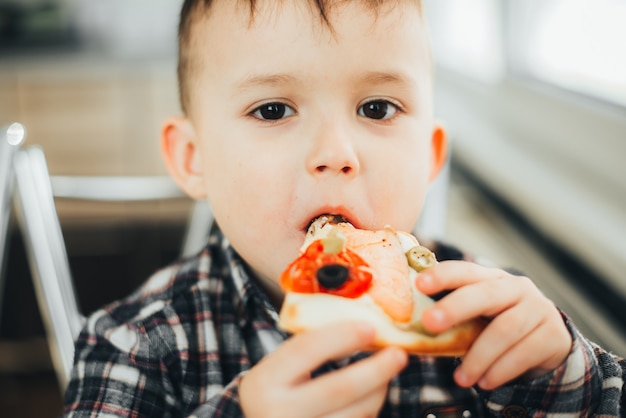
x,y
332,276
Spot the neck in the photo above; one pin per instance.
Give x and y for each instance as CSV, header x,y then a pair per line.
x,y
273,291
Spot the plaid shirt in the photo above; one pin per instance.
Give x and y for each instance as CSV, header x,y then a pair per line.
x,y
180,345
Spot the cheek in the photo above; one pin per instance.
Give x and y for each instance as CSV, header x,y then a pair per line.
x,y
251,205
402,200
249,189
242,187
402,186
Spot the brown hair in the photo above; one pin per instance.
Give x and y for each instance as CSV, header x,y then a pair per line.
x,y
193,10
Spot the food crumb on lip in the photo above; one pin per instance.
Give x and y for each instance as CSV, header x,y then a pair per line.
x,y
329,218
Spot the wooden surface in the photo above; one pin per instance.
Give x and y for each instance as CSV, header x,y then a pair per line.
x,y
91,116
94,116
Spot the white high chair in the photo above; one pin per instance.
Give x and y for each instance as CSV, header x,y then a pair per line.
x,y
11,136
45,246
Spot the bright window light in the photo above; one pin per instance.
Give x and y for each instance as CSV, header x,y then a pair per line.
x,y
466,36
575,44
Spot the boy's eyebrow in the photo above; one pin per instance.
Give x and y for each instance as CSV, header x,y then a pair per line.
x,y
384,77
372,77
265,80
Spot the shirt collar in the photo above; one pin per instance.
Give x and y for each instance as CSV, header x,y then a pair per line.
x,y
247,294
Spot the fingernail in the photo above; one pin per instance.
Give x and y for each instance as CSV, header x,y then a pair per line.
x,y
424,280
438,316
461,378
399,356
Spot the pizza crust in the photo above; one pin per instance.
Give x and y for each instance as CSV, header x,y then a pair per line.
x,y
302,312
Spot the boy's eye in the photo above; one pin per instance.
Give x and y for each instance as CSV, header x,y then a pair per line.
x,y
273,111
378,109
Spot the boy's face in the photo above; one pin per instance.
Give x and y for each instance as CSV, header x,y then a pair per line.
x,y
289,121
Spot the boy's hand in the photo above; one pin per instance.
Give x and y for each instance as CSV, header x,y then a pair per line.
x,y
281,384
526,334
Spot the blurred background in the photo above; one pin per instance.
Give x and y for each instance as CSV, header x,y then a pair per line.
x,y
533,95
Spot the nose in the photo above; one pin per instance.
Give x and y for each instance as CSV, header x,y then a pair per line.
x,y
333,153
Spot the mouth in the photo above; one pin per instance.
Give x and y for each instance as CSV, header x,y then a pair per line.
x,y
326,218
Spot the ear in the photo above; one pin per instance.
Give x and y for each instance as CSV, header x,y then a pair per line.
x,y
182,156
439,151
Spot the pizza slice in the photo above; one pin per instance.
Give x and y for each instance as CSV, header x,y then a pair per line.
x,y
345,273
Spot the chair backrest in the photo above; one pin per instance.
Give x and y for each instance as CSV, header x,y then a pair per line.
x,y
48,259
11,136
36,191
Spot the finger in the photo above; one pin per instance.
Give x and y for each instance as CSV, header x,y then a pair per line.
x,y
540,347
500,336
540,352
487,298
543,348
368,406
349,385
296,358
449,275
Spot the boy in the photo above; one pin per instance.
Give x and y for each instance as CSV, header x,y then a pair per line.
x,y
294,109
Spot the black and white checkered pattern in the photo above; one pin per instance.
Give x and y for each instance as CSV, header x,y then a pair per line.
x,y
179,346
